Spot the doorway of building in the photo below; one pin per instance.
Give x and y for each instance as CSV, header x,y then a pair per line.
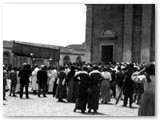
x,y
107,53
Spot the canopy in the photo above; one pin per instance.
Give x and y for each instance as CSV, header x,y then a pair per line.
x,y
38,51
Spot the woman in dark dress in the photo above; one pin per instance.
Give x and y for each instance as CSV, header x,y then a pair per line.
x,y
76,84
83,95
13,77
95,79
70,82
61,85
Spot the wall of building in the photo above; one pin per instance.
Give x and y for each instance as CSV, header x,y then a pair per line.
x,y
106,16
18,60
134,27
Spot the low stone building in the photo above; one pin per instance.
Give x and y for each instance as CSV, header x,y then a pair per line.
x,y
66,56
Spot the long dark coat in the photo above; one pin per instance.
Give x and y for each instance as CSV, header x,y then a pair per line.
x,y
129,85
42,76
13,77
24,75
82,95
70,96
95,79
61,92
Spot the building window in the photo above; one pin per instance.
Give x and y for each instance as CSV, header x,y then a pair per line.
x,y
108,32
6,58
78,59
66,60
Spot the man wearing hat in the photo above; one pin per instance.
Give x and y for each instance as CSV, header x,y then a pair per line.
x,y
24,75
42,80
129,85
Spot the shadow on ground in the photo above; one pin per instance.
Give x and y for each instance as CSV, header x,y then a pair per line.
x,y
106,104
98,113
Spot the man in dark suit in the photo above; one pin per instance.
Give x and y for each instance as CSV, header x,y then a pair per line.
x,y
24,75
42,80
129,86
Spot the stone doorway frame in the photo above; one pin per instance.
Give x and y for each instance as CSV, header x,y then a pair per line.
x,y
107,44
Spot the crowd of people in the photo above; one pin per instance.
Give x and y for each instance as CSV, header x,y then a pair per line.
x,y
86,84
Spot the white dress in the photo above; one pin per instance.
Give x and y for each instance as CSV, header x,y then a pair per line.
x,y
52,76
105,86
34,79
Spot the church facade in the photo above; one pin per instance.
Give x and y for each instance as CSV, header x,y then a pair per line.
x,y
120,32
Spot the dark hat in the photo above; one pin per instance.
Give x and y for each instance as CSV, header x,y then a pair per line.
x,y
85,68
62,68
150,68
105,69
95,67
130,65
73,67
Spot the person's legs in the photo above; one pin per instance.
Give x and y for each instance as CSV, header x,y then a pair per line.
x,y
125,100
21,90
11,90
4,92
89,110
26,88
54,87
39,90
130,100
44,89
14,89
118,89
139,95
95,111
114,92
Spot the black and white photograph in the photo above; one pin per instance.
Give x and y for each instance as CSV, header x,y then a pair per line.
x,y
79,59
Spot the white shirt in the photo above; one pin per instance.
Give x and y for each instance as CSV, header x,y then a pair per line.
x,y
106,75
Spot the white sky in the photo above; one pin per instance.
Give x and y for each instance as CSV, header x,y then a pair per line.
x,y
56,24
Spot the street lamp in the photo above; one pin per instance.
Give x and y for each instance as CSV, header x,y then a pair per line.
x,y
50,60
31,54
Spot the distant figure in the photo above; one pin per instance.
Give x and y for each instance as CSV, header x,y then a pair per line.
x,y
70,82
34,79
24,75
67,70
52,74
13,78
112,83
18,81
42,80
105,86
4,82
119,77
61,92
147,102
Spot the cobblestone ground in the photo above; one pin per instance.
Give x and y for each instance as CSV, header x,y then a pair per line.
x,y
14,106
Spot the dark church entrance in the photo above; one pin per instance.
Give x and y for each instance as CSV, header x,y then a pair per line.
x,y
107,53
